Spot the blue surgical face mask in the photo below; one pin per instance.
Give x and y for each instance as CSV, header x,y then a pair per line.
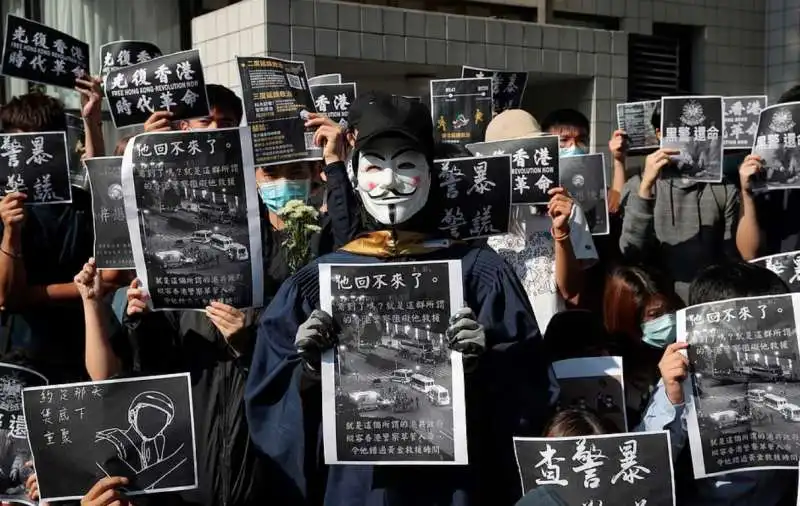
x,y
573,151
275,194
661,331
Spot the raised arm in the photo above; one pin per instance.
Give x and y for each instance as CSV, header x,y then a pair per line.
x,y
91,110
101,360
748,234
12,269
618,147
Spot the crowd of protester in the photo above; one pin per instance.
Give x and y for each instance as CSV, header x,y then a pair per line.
x,y
547,291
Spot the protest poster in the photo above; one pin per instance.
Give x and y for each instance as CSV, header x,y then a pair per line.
x,y
75,149
112,243
741,120
776,144
172,83
596,384
534,165
461,109
693,125
42,54
37,165
139,428
507,87
477,196
584,177
392,391
124,53
193,220
633,469
785,265
277,101
14,433
636,118
325,79
744,355
334,100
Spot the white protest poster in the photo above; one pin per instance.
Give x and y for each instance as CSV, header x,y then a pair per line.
x,y
392,391
744,353
785,265
594,383
636,118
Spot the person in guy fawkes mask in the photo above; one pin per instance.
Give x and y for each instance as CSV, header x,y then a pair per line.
x,y
507,379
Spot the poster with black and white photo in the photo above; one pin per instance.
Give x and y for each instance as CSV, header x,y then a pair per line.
x,y
633,469
15,451
139,428
192,212
334,100
785,265
172,83
277,102
325,79
584,177
776,144
595,384
76,147
477,196
741,120
534,165
37,165
112,243
693,125
507,87
636,118
744,353
461,109
392,390
124,53
42,54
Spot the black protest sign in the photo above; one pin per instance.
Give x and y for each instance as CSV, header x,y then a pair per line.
x,y
636,118
277,101
198,234
477,196
534,165
334,100
139,428
584,177
172,83
36,164
461,109
776,143
633,469
75,147
42,54
507,87
124,53
741,120
693,126
112,243
405,404
325,79
744,353
15,451
785,265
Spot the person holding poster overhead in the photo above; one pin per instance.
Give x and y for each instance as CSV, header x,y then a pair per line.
x,y
495,331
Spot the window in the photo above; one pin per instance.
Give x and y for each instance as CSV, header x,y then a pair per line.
x,y
660,65
462,7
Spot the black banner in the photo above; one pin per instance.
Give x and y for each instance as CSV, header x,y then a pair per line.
x,y
112,243
124,53
785,265
334,100
741,120
693,125
139,428
534,165
172,83
277,101
507,87
477,200
325,79
584,177
776,144
461,109
632,469
42,54
636,118
37,165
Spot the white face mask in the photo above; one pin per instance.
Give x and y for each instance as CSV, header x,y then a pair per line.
x,y
393,187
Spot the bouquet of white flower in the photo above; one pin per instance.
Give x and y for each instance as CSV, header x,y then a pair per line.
x,y
300,221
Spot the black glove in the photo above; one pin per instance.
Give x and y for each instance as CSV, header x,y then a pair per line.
x,y
314,337
467,336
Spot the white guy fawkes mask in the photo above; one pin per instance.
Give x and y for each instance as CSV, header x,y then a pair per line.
x,y
393,183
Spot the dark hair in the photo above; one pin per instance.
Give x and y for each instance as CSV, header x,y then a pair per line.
x,y
576,422
567,118
33,112
790,95
119,149
223,98
444,150
733,280
655,119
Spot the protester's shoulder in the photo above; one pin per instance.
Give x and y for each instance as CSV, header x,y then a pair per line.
x,y
484,265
